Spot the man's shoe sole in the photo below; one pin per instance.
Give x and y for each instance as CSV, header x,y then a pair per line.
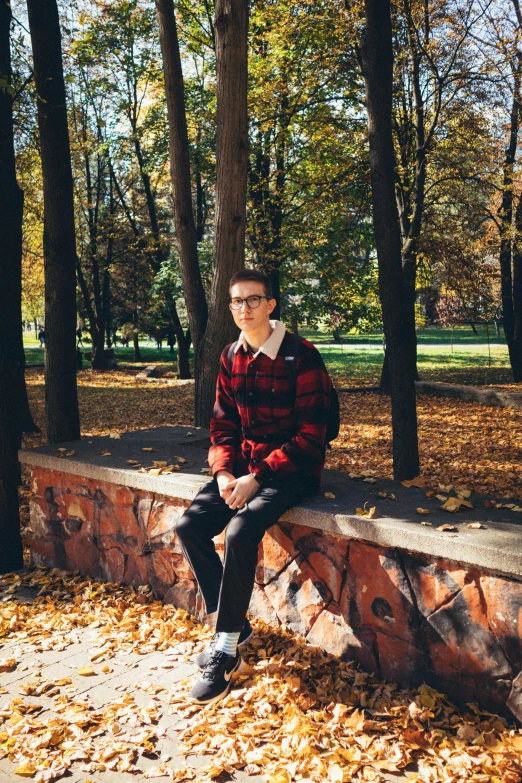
x,y
245,641
223,693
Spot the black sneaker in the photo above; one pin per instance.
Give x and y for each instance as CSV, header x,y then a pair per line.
x,y
204,657
216,679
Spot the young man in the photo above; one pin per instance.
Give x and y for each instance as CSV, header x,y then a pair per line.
x,y
267,454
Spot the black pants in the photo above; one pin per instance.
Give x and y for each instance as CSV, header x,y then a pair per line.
x,y
228,587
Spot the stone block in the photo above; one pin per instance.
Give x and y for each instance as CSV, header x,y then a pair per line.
x,y
119,526
261,608
162,518
514,700
47,552
185,595
39,523
400,661
136,570
504,613
82,554
377,593
331,632
181,568
298,595
326,554
113,564
461,643
162,575
433,581
276,550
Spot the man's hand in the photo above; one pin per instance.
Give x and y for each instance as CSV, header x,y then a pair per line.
x,y
223,478
242,490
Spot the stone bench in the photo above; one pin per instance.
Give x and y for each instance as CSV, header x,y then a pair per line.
x,y
407,601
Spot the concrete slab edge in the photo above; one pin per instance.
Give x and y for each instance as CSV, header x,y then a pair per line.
x,y
491,548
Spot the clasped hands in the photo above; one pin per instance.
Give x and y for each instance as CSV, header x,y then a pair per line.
x,y
236,492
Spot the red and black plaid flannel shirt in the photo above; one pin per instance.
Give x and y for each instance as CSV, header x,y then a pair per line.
x,y
264,425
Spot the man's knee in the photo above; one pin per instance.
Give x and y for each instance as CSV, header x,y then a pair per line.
x,y
240,533
185,526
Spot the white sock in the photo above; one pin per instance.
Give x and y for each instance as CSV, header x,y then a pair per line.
x,y
227,642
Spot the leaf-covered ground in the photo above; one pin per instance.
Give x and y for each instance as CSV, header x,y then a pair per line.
x,y
294,713
461,443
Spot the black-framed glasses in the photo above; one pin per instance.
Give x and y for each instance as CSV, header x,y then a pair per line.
x,y
252,302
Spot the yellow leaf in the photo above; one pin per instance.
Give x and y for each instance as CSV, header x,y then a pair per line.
x,y
148,448
335,773
329,495
422,510
476,526
454,504
181,459
115,435
70,453
7,664
372,512
281,776
105,453
86,671
416,482
132,462
427,700
447,528
26,770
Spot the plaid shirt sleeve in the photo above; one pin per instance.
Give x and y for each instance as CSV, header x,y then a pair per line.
x,y
306,449
225,422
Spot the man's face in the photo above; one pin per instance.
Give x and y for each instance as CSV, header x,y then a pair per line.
x,y
249,319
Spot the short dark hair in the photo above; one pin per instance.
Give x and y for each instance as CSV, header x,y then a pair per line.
x,y
252,274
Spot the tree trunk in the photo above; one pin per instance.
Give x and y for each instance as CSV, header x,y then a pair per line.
x,y
11,552
185,226
11,213
183,343
376,56
61,398
515,343
508,247
231,25
136,345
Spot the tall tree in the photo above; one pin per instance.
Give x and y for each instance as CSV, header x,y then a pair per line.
x,y
11,213
231,29
186,233
61,397
376,55
12,382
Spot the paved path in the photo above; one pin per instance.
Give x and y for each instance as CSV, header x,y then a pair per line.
x,y
129,674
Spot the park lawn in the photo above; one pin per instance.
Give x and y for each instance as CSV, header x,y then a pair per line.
x,y
461,443
358,361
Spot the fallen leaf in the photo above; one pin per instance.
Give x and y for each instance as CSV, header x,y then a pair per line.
x,y
86,671
148,448
7,664
329,495
447,528
422,510
476,526
70,453
105,453
115,435
416,482
454,504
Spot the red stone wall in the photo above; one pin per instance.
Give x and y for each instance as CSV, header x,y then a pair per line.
x,y
409,618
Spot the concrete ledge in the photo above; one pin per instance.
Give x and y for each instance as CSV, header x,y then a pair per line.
x,y
497,548
494,397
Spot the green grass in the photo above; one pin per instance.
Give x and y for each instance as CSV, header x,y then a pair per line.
x,y
358,359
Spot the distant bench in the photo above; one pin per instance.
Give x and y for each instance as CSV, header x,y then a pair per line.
x,y
407,601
